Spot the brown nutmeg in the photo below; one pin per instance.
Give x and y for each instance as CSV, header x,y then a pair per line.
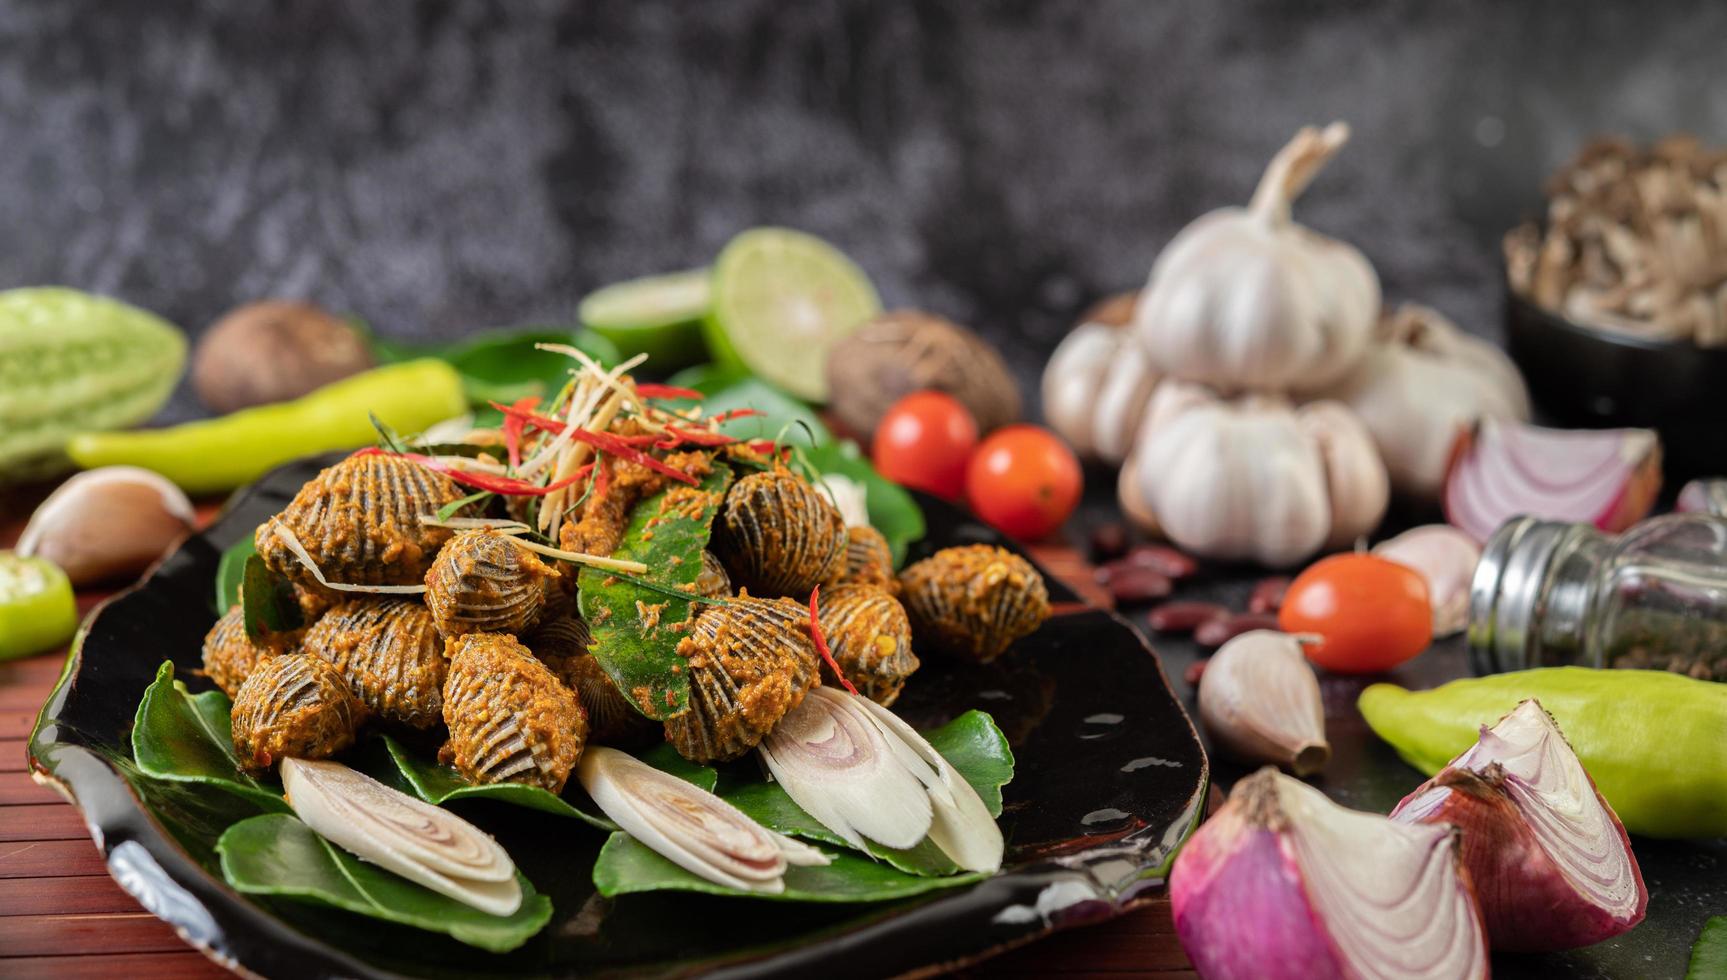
x,y
273,351
903,351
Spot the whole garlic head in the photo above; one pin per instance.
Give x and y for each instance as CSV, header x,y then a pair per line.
x,y
1254,478
1097,383
1422,384
1245,298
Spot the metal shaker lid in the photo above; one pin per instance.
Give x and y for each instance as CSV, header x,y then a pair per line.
x,y
1505,593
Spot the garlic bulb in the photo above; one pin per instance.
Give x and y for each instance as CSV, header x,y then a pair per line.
x,y
1260,701
1097,383
1422,384
1244,298
1254,478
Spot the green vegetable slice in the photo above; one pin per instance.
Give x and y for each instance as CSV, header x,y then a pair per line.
x,y
660,316
781,299
276,854
971,743
186,738
396,766
1709,955
626,866
37,609
667,533
892,511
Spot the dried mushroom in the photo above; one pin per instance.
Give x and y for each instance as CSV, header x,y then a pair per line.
x,y
273,351
868,560
778,535
390,655
562,645
903,351
1635,242
230,655
870,638
293,707
973,601
485,582
750,661
359,520
510,718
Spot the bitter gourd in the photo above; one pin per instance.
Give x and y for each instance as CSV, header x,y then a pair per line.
x,y
73,362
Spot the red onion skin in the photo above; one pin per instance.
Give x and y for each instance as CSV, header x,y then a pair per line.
x,y
1633,502
1528,905
1240,909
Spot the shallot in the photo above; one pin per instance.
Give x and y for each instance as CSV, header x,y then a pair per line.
x,y
108,522
1260,701
1548,856
1607,477
1283,884
1446,558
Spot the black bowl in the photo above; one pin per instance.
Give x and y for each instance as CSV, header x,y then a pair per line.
x,y
1110,778
1591,378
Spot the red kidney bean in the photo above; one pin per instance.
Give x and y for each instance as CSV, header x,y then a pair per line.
x,y
1162,559
1108,541
1215,633
1194,672
1267,596
1132,585
1183,616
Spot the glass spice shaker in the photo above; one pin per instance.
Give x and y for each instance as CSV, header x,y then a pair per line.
x,y
1550,594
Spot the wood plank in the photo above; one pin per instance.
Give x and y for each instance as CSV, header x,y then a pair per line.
x,y
44,668
187,964
49,859
17,722
58,935
18,788
41,822
68,895
13,757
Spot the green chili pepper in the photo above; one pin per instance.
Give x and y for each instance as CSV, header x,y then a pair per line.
x,y
223,453
1655,743
37,611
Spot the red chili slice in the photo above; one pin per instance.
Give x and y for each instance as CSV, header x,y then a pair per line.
x,y
504,485
821,642
667,391
513,425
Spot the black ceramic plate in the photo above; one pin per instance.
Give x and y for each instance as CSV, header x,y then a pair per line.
x,y
1110,777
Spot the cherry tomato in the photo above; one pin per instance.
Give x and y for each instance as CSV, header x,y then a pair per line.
x,y
1370,614
1024,481
923,442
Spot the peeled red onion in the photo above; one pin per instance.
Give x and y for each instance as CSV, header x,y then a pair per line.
x,y
1606,477
1283,884
1549,859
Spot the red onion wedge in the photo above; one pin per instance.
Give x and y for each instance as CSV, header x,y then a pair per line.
x,y
1283,884
1549,859
863,773
1607,477
689,826
1446,558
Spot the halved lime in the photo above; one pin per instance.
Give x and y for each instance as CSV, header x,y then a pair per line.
x,y
781,299
660,316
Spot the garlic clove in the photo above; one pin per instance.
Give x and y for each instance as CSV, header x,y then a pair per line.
x,y
1355,478
1283,884
108,523
1446,557
1260,700
1550,860
1071,380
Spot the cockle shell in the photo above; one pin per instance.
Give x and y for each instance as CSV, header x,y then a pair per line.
x,y
485,582
778,535
750,662
390,655
973,601
510,718
293,706
712,581
870,638
360,521
562,644
230,655
868,560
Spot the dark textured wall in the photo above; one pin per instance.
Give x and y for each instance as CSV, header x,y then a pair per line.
x,y
438,167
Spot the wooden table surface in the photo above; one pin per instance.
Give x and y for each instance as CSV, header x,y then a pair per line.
x,y
61,915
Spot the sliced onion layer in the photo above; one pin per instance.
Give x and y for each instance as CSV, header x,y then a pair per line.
x,y
1284,883
1549,858
1606,477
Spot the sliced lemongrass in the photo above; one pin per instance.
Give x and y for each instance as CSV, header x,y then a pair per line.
x,y
424,844
501,525
833,760
689,826
597,561
299,551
